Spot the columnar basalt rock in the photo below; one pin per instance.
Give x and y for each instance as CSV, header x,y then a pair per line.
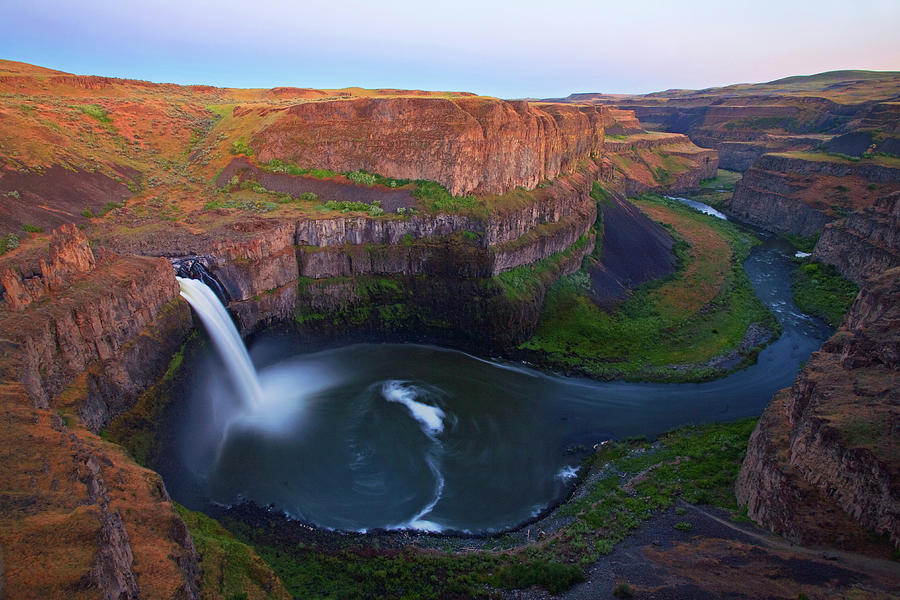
x,y
825,452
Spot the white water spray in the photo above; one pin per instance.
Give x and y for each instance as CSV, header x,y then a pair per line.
x,y
225,337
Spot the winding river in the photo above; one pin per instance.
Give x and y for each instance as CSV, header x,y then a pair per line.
x,y
410,436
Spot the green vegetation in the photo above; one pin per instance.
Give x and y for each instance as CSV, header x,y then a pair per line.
x,y
32,228
438,199
240,146
821,291
630,482
96,112
348,206
719,189
362,178
229,568
683,526
433,195
277,166
10,242
803,244
522,281
138,429
789,124
700,312
552,576
600,194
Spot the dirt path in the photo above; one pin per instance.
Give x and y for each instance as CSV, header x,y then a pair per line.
x,y
719,558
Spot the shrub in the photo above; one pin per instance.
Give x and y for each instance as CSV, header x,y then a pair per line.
x,y
552,576
309,196
32,228
87,213
12,194
375,211
10,242
683,526
347,206
623,590
240,146
362,178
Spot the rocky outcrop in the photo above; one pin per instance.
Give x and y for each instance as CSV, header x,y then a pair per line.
x,y
118,319
468,145
635,250
824,458
800,193
866,243
621,122
69,255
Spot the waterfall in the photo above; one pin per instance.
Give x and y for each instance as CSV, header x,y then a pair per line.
x,y
225,338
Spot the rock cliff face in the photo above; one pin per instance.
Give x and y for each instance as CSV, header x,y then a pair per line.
x,y
658,162
466,144
69,256
799,193
80,519
262,265
119,320
866,243
824,457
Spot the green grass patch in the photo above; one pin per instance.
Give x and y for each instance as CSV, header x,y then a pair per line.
x,y
9,242
240,146
821,291
96,112
663,323
436,198
801,243
230,569
32,228
522,281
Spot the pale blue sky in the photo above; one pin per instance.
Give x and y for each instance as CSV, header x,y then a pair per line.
x,y
506,49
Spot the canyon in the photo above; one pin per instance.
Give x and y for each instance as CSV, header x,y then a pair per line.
x,y
396,214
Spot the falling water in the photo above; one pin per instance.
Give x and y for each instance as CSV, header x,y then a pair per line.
x,y
225,338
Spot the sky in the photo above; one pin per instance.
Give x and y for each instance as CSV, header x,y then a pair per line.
x,y
507,49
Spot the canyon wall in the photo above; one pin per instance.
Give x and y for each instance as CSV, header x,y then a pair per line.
x,y
277,270
824,459
864,244
481,145
799,193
